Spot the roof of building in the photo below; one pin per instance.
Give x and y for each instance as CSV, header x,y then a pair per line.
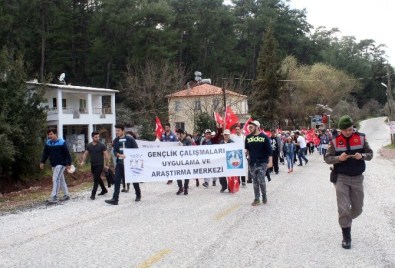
x,y
203,90
73,88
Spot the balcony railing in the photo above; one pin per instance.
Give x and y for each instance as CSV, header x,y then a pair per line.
x,y
105,110
73,110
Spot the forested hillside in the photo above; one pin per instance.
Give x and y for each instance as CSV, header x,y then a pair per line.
x,y
94,41
150,48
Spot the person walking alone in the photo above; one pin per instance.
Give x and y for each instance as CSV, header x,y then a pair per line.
x,y
348,153
59,156
259,151
98,155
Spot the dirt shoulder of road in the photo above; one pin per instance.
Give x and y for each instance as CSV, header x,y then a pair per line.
x,y
36,193
388,152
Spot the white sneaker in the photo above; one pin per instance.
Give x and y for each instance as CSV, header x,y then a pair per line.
x,y
64,198
52,200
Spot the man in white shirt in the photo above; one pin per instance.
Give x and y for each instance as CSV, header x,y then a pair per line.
x,y
300,140
238,137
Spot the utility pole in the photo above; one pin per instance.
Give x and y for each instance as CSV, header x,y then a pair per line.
x,y
224,98
390,101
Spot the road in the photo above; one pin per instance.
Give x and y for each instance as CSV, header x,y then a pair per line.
x,y
297,227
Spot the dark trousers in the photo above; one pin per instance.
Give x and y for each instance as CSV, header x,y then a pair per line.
x,y
186,184
243,179
119,174
275,162
302,155
96,171
296,153
224,182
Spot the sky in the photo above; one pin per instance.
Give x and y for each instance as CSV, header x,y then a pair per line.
x,y
364,19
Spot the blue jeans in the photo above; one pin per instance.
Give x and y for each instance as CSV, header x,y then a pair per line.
x,y
258,172
302,155
290,160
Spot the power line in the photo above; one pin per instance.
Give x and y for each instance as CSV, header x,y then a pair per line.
x,y
324,80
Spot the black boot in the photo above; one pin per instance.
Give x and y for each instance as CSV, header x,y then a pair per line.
x,y
186,191
346,243
180,191
111,201
103,192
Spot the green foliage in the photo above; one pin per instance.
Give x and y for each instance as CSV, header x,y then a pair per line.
x,y
94,42
318,89
147,130
22,121
266,87
204,121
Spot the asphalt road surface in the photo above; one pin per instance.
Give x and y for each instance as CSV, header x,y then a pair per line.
x,y
296,228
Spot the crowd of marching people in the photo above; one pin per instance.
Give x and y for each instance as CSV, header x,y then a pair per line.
x,y
265,151
286,147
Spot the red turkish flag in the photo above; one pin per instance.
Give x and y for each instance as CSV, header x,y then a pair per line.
x,y
218,118
324,119
230,118
245,128
158,128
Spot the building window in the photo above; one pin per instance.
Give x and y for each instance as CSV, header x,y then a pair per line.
x,y
180,125
55,105
82,106
198,105
177,106
215,104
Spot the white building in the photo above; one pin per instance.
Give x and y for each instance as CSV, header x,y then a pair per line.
x,y
83,110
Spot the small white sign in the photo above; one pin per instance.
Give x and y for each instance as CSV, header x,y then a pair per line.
x,y
392,127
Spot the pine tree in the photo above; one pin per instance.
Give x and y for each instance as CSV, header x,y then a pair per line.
x,y
22,120
266,86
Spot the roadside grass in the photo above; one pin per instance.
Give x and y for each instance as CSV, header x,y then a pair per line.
x,y
36,195
390,146
33,197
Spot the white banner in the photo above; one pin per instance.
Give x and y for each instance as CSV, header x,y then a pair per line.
x,y
184,162
155,144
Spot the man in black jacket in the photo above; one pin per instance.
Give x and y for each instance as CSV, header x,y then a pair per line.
x,y
122,142
59,156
